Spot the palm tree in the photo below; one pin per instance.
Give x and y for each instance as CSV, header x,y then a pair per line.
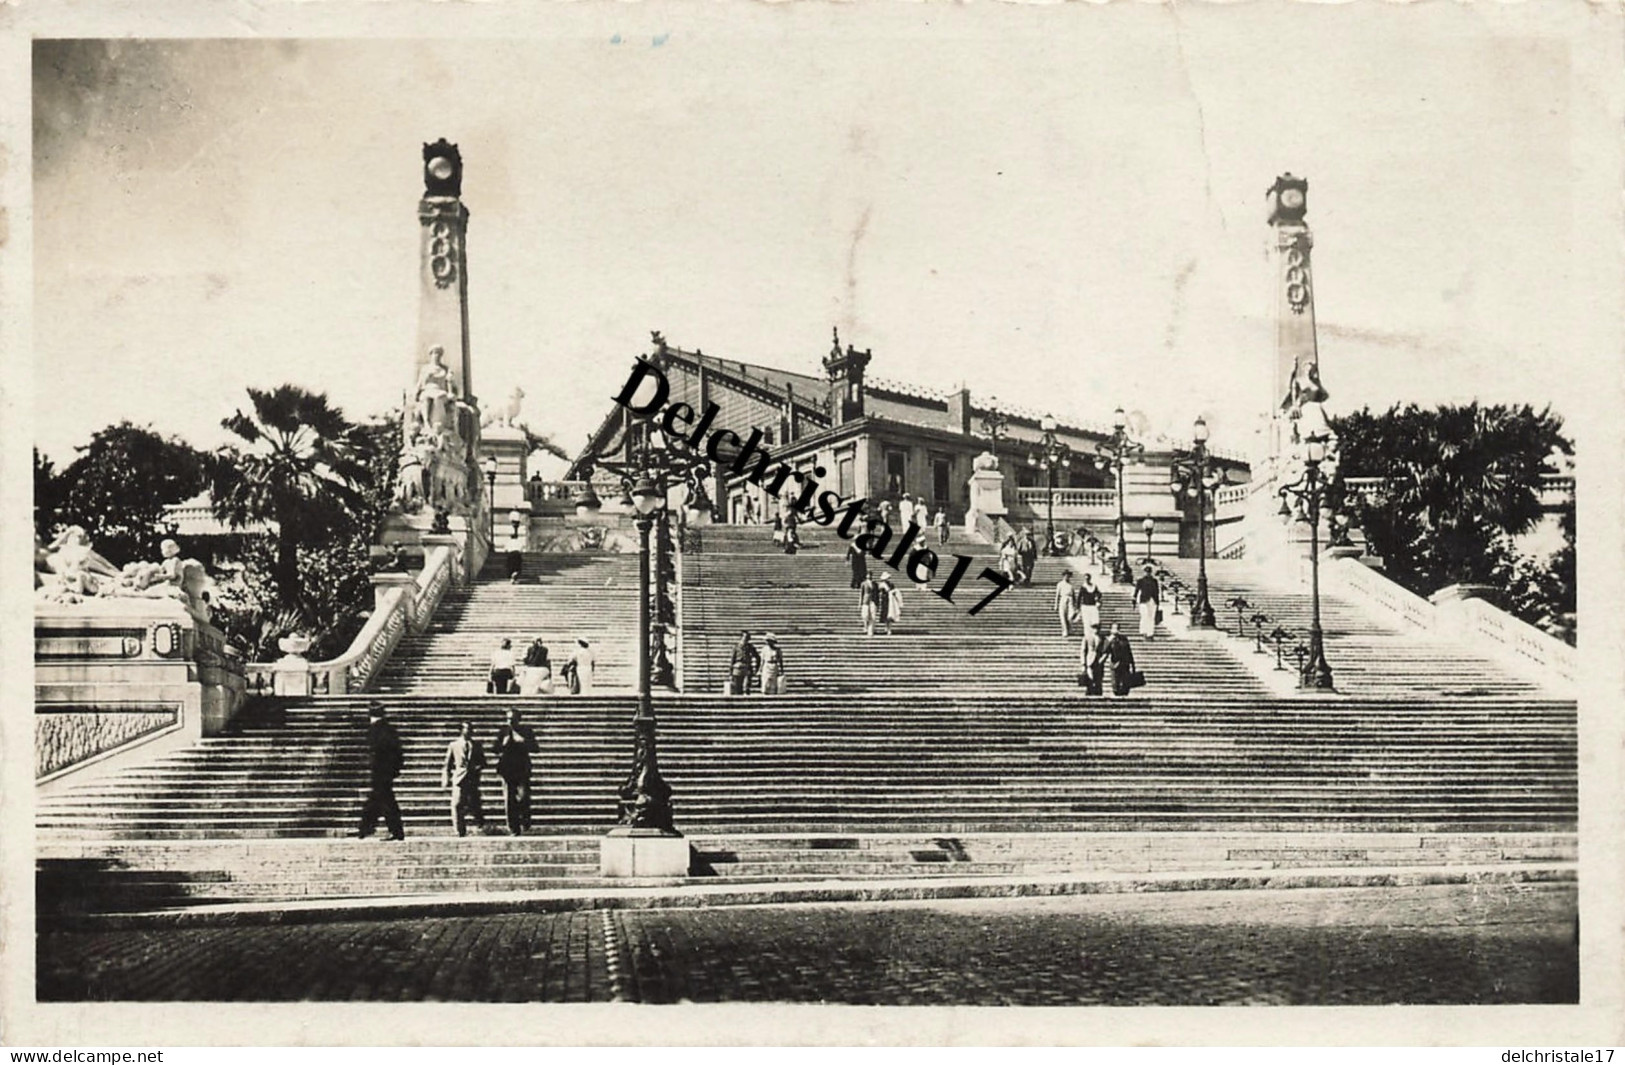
x,y
301,467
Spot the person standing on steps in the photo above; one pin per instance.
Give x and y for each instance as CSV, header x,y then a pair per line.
x,y
537,676
501,680
905,511
581,665
941,523
1091,664
514,745
1065,602
792,541
772,666
1148,601
1027,549
1119,657
742,665
465,759
892,603
871,604
385,759
859,561
1087,598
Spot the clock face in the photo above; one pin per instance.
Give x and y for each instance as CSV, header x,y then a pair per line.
x,y
440,168
1292,199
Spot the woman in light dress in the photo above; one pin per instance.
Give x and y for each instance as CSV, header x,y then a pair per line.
x,y
537,676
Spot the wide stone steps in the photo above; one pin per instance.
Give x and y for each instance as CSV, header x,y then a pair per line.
x,y
88,876
794,763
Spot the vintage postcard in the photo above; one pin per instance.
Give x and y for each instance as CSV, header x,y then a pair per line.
x,y
793,511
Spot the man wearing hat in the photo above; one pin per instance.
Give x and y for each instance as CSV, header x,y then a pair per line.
x,y
386,758
1148,601
772,666
743,665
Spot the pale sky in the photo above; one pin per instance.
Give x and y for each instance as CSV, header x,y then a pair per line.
x,y
1063,206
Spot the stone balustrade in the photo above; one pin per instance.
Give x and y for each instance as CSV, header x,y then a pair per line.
x,y
403,602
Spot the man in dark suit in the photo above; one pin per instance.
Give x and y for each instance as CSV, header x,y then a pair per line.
x,y
386,759
514,745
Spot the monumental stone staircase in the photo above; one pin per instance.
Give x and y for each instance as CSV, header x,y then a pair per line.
x,y
960,745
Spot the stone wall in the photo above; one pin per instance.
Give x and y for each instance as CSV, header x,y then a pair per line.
x,y
66,735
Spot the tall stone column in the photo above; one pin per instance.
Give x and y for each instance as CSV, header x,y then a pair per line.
x,y
441,490
1296,397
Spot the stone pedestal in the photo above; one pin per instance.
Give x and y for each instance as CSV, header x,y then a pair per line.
x,y
507,445
986,493
643,852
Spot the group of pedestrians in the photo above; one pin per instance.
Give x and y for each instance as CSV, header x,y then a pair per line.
x,y
533,675
461,772
1017,557
752,670
1077,604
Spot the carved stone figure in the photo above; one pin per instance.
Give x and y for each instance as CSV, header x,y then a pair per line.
x,y
436,394
74,568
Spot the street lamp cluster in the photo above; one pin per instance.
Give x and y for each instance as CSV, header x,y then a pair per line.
x,y
1308,494
1193,474
652,469
1114,454
1053,453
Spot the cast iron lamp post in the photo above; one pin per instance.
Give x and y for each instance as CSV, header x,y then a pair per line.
x,y
1308,491
1052,452
1148,526
650,469
994,424
1114,454
1191,473
489,465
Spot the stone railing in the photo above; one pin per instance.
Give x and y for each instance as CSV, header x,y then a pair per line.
x,y
1103,501
1489,628
1515,638
1556,489
403,603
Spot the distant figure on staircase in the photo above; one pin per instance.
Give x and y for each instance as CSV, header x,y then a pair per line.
x,y
891,611
1087,598
501,679
941,523
905,510
1120,657
778,530
1148,601
1065,602
516,558
859,561
1091,664
792,540
385,759
1009,562
772,666
465,760
1027,551
580,666
871,604
743,665
514,745
536,678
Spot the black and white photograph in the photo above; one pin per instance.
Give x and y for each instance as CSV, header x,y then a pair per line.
x,y
796,507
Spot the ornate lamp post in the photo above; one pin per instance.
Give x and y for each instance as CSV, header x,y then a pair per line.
x,y
1052,453
489,466
1148,526
1308,491
650,470
1114,455
1191,473
994,424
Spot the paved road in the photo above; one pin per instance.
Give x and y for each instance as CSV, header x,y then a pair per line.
x,y
1451,944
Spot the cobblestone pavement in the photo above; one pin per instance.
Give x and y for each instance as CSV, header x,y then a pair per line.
x,y
1452,944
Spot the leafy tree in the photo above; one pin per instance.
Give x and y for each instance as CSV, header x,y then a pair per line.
x,y
335,596
300,467
1460,484
117,489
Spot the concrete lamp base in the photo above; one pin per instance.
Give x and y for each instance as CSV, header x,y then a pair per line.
x,y
643,852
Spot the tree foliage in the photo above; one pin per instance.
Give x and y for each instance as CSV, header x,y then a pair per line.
x,y
299,466
117,489
332,595
1460,484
